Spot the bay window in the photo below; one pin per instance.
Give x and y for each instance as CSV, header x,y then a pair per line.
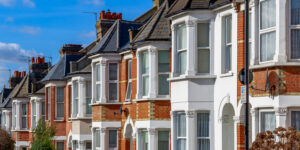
x,y
180,128
227,44
145,72
113,81
113,138
48,103
181,48
60,102
88,96
143,140
295,120
163,140
24,116
75,99
295,29
203,47
163,72
34,118
268,122
98,82
129,85
203,131
267,30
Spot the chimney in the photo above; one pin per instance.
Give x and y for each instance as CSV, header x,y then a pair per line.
x,y
70,49
14,80
106,20
23,74
37,66
157,3
132,34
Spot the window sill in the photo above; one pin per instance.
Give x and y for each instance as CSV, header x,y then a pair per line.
x,y
80,118
229,74
108,103
274,64
185,77
59,120
152,99
21,130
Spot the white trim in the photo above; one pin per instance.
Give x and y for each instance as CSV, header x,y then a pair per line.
x,y
22,143
107,124
59,138
56,83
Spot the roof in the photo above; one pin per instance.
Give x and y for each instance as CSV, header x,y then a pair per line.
x,y
157,28
6,104
61,69
21,90
4,94
183,5
115,38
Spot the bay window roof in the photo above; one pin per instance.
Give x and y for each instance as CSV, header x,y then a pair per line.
x,y
185,5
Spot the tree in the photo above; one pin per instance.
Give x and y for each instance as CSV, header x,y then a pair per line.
x,y
6,142
279,139
42,137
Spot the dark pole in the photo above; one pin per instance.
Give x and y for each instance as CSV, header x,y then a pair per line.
x,y
247,73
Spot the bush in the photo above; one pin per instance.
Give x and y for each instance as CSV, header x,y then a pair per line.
x,y
42,137
279,139
6,142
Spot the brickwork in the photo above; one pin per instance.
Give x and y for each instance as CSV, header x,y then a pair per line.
x,y
240,137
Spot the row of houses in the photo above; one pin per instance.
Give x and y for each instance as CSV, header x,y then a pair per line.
x,y
166,80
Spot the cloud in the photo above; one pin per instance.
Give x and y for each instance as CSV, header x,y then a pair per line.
x,y
30,30
13,53
7,3
9,19
90,34
28,3
94,2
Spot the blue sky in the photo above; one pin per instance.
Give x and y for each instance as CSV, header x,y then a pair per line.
x,y
41,27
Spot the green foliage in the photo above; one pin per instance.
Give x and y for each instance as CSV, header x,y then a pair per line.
x,y
6,142
42,137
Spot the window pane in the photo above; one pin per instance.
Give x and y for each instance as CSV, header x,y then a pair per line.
x,y
203,144
268,121
145,85
60,94
144,140
267,46
268,14
113,71
113,138
163,61
228,29
60,109
43,108
145,62
75,89
181,37
128,93
227,55
129,69
181,125
75,107
88,106
295,16
182,62
33,121
88,89
203,124
33,108
295,44
163,86
113,91
60,146
181,144
98,91
203,61
97,138
24,122
295,118
203,35
88,145
163,140
49,103
24,109
98,72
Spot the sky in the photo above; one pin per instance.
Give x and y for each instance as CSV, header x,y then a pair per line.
x,y
40,27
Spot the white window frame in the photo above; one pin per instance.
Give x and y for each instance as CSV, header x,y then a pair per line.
x,y
14,116
197,47
225,44
260,117
144,75
59,142
177,129
180,50
24,116
140,136
33,124
74,115
209,130
129,78
113,81
94,139
164,130
88,97
264,31
162,73
98,66
56,96
117,140
290,115
48,103
291,27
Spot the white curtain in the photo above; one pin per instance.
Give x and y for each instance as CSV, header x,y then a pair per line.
x,y
181,37
60,102
181,131
268,121
97,138
295,16
296,120
267,14
98,72
267,49
24,116
33,114
145,72
163,71
182,62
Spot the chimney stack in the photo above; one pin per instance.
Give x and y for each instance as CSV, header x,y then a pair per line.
x,y
106,20
16,79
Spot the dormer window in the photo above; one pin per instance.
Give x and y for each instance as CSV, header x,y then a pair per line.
x,y
295,29
113,81
129,85
267,30
203,48
181,47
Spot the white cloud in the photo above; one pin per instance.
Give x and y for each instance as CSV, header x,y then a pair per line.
x,y
12,53
94,2
30,30
7,3
9,19
28,3
88,34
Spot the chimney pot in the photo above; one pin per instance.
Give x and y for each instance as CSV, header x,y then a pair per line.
x,y
19,74
32,60
119,16
108,15
102,15
24,74
16,74
43,60
114,16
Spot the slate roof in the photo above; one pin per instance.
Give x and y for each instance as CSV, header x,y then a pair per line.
x,y
21,90
61,69
183,5
115,38
157,28
4,94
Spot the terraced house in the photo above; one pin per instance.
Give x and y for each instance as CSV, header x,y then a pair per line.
x,y
166,80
